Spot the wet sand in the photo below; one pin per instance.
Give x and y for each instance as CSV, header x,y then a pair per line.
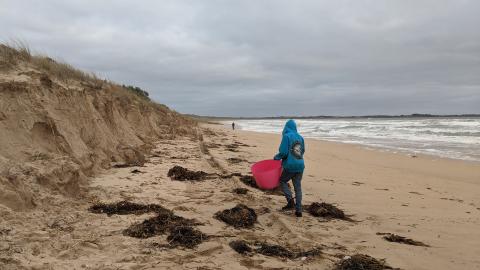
x,y
435,201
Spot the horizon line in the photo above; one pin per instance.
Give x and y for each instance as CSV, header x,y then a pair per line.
x,y
418,115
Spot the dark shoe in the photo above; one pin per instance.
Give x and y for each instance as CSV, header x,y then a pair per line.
x,y
290,205
298,214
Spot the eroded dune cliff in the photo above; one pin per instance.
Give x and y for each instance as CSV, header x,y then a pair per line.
x,y
59,125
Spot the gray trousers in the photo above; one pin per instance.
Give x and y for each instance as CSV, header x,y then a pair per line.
x,y
297,185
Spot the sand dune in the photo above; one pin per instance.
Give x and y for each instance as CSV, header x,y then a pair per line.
x,y
59,126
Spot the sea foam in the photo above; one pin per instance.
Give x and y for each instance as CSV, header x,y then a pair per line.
x,y
457,138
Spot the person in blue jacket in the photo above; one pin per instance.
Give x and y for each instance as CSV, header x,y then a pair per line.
x,y
291,152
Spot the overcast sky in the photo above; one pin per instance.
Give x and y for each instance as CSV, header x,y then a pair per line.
x,y
259,58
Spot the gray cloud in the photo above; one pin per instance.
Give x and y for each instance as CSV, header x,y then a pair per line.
x,y
253,58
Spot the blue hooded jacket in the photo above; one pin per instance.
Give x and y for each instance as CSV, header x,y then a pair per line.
x,y
291,149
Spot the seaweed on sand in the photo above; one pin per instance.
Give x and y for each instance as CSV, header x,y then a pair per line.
x,y
240,191
272,250
236,160
122,165
159,224
283,252
390,237
240,216
181,174
326,210
225,176
361,262
185,236
309,253
231,147
275,251
248,180
125,208
241,246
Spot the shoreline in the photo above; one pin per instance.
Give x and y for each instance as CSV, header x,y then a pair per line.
x,y
379,148
371,149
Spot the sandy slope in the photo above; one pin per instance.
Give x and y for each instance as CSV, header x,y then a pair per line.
x,y
431,200
59,126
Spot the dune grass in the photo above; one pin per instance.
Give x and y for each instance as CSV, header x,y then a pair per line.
x,y
16,52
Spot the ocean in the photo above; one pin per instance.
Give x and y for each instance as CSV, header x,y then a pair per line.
x,y
457,138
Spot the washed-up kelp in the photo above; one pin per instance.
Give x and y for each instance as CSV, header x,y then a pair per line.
x,y
226,176
125,208
185,236
248,180
361,262
182,174
275,251
236,160
240,216
241,246
231,147
272,250
159,224
240,191
326,210
390,237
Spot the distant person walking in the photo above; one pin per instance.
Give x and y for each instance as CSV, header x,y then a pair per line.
x,y
233,125
291,152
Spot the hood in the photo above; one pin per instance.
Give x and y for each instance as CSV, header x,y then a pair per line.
x,y
290,126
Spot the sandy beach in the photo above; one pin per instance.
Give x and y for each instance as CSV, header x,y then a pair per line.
x,y
435,201
128,134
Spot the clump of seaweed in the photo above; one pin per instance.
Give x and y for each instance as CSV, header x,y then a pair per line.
x,y
248,180
275,251
241,191
181,232
272,250
390,237
225,176
326,210
241,246
309,253
361,262
240,216
185,236
125,208
182,174
123,165
159,224
236,160
231,147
